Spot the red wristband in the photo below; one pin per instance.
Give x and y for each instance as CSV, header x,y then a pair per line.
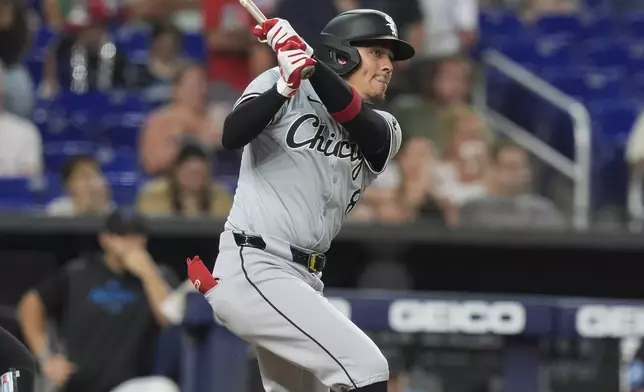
x,y
351,111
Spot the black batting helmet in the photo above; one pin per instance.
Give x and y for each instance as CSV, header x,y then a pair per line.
x,y
347,31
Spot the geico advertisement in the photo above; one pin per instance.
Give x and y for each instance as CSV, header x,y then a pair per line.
x,y
600,321
469,317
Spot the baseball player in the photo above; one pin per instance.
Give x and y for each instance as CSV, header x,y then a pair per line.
x,y
309,150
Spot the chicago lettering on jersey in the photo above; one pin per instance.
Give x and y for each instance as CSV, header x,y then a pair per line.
x,y
337,147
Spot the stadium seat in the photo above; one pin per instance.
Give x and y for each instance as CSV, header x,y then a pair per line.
x,y
124,187
119,161
194,46
632,24
603,53
599,27
57,153
493,24
16,193
604,83
134,42
560,24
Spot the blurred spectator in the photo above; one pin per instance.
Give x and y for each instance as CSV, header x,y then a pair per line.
x,y
635,145
531,10
443,83
188,190
464,156
451,26
164,61
186,117
83,57
506,202
380,201
18,90
87,190
308,18
419,194
108,310
235,56
21,150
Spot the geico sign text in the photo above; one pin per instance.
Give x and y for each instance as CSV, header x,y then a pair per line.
x,y
471,317
599,321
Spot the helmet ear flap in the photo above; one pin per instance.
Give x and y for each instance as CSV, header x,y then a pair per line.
x,y
337,54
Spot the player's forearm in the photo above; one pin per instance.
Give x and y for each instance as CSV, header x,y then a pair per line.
x,y
32,316
367,128
250,118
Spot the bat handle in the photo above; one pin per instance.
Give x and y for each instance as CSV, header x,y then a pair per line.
x,y
307,72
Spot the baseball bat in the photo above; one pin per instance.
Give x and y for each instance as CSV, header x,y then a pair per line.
x,y
259,16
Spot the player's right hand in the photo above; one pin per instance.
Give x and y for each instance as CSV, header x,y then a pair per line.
x,y
58,369
292,60
278,32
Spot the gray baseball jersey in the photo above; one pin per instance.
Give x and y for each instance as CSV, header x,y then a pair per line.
x,y
301,177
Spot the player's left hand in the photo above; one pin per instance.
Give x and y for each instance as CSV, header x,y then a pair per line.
x,y
277,32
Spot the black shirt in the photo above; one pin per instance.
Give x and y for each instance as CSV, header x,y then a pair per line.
x,y
105,323
63,50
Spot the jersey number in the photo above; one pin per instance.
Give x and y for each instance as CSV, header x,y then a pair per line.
x,y
355,198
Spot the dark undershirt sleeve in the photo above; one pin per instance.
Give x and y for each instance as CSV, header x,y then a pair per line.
x,y
368,129
250,118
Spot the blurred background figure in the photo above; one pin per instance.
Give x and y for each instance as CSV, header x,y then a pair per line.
x,y
164,62
86,190
16,35
84,56
106,330
436,86
463,156
451,26
21,150
507,201
187,190
186,117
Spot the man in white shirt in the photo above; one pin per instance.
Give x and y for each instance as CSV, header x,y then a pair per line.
x,y
450,26
21,148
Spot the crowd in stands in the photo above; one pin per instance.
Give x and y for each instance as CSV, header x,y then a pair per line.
x,y
106,104
124,105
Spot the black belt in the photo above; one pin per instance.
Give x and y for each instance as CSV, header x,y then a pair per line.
x,y
313,261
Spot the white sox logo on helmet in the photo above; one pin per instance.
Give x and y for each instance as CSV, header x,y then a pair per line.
x,y
392,26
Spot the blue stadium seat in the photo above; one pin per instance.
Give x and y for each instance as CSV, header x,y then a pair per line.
x,y
603,53
614,119
57,153
195,46
604,83
124,187
635,56
493,24
134,42
554,50
567,80
119,161
561,24
16,193
633,24
599,27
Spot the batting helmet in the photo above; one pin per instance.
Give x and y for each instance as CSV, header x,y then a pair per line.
x,y
347,31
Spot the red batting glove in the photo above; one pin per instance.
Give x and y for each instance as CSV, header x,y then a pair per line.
x,y
201,278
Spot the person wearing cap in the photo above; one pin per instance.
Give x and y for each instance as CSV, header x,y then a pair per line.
x,y
107,308
187,190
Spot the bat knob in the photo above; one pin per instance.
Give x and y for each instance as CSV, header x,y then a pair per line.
x,y
307,72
